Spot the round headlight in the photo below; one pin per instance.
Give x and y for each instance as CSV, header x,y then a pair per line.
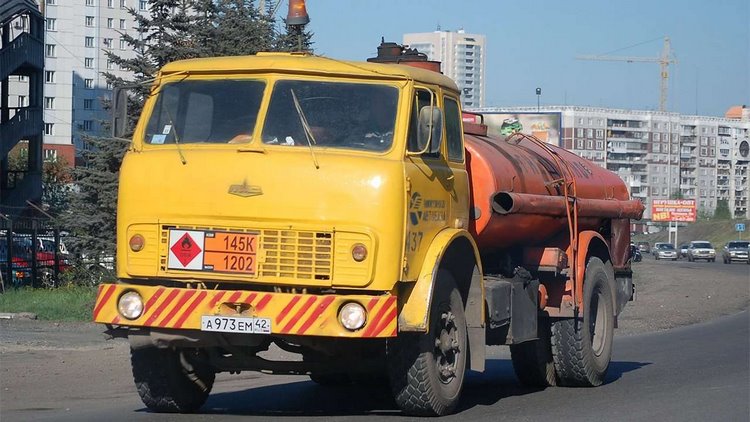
x,y
359,252
137,242
130,305
352,316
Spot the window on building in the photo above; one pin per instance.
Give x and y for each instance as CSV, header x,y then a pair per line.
x,y
123,4
110,3
142,4
579,133
589,132
657,148
89,42
51,24
110,22
600,133
88,125
52,2
49,103
656,137
88,83
88,104
50,154
88,62
89,21
122,23
122,44
109,86
589,144
49,128
22,101
49,76
599,144
50,50
107,42
579,144
110,65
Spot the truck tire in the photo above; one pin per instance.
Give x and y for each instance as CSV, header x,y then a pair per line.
x,y
168,381
532,360
582,347
426,370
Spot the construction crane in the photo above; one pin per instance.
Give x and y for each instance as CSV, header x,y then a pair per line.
x,y
664,61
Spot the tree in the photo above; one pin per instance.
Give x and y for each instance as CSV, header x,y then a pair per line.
x,y
722,210
57,181
90,217
289,39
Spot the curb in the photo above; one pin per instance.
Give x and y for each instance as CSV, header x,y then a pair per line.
x,y
17,315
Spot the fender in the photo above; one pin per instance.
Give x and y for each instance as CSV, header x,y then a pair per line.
x,y
585,239
448,250
415,310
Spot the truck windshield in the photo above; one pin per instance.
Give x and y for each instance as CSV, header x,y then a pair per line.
x,y
339,115
198,111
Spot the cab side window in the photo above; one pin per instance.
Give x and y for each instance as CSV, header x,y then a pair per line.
x,y
422,98
453,130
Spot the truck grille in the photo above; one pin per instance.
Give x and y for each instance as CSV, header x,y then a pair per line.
x,y
296,254
283,255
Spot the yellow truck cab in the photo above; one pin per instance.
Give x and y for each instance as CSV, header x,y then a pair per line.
x,y
322,207
286,197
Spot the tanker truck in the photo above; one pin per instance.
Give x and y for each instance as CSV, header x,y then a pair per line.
x,y
349,213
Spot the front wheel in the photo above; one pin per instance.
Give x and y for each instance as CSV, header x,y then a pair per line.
x,y
171,380
582,346
427,370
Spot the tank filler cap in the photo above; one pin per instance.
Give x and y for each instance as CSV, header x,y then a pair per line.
x,y
391,52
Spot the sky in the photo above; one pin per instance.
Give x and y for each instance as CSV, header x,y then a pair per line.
x,y
533,44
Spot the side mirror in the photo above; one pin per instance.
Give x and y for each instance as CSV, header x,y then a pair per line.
x,y
119,112
429,129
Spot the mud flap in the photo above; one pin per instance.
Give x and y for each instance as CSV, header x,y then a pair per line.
x,y
512,308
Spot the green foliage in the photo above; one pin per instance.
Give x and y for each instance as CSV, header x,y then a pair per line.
x,y
90,217
70,303
722,210
677,194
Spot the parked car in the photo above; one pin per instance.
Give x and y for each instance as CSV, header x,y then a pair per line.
x,y
701,249
736,250
644,247
682,250
635,254
664,251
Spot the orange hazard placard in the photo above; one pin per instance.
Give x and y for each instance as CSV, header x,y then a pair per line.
x,y
231,252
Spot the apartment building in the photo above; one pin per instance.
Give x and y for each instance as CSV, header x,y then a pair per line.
x,y
21,59
462,57
662,155
78,33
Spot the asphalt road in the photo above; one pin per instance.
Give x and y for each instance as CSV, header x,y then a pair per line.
x,y
695,372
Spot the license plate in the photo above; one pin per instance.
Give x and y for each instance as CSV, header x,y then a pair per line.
x,y
242,325
231,252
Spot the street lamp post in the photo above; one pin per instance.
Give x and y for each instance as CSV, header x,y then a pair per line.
x,y
538,97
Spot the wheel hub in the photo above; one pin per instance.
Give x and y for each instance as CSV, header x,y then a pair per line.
x,y
447,347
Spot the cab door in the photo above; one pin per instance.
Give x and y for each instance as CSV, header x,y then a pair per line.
x,y
429,179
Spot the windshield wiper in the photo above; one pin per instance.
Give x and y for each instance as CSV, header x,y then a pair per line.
x,y
308,133
176,137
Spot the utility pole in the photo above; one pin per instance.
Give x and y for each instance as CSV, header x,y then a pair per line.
x,y
665,59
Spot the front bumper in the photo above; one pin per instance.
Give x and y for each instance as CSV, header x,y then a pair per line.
x,y
290,314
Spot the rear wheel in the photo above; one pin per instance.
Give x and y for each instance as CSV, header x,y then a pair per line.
x,y
171,380
582,347
532,360
427,370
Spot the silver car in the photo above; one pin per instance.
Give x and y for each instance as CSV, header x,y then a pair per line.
x,y
664,251
701,249
736,250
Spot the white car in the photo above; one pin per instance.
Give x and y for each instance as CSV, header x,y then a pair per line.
x,y
701,249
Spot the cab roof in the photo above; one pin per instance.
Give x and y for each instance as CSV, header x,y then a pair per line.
x,y
300,63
